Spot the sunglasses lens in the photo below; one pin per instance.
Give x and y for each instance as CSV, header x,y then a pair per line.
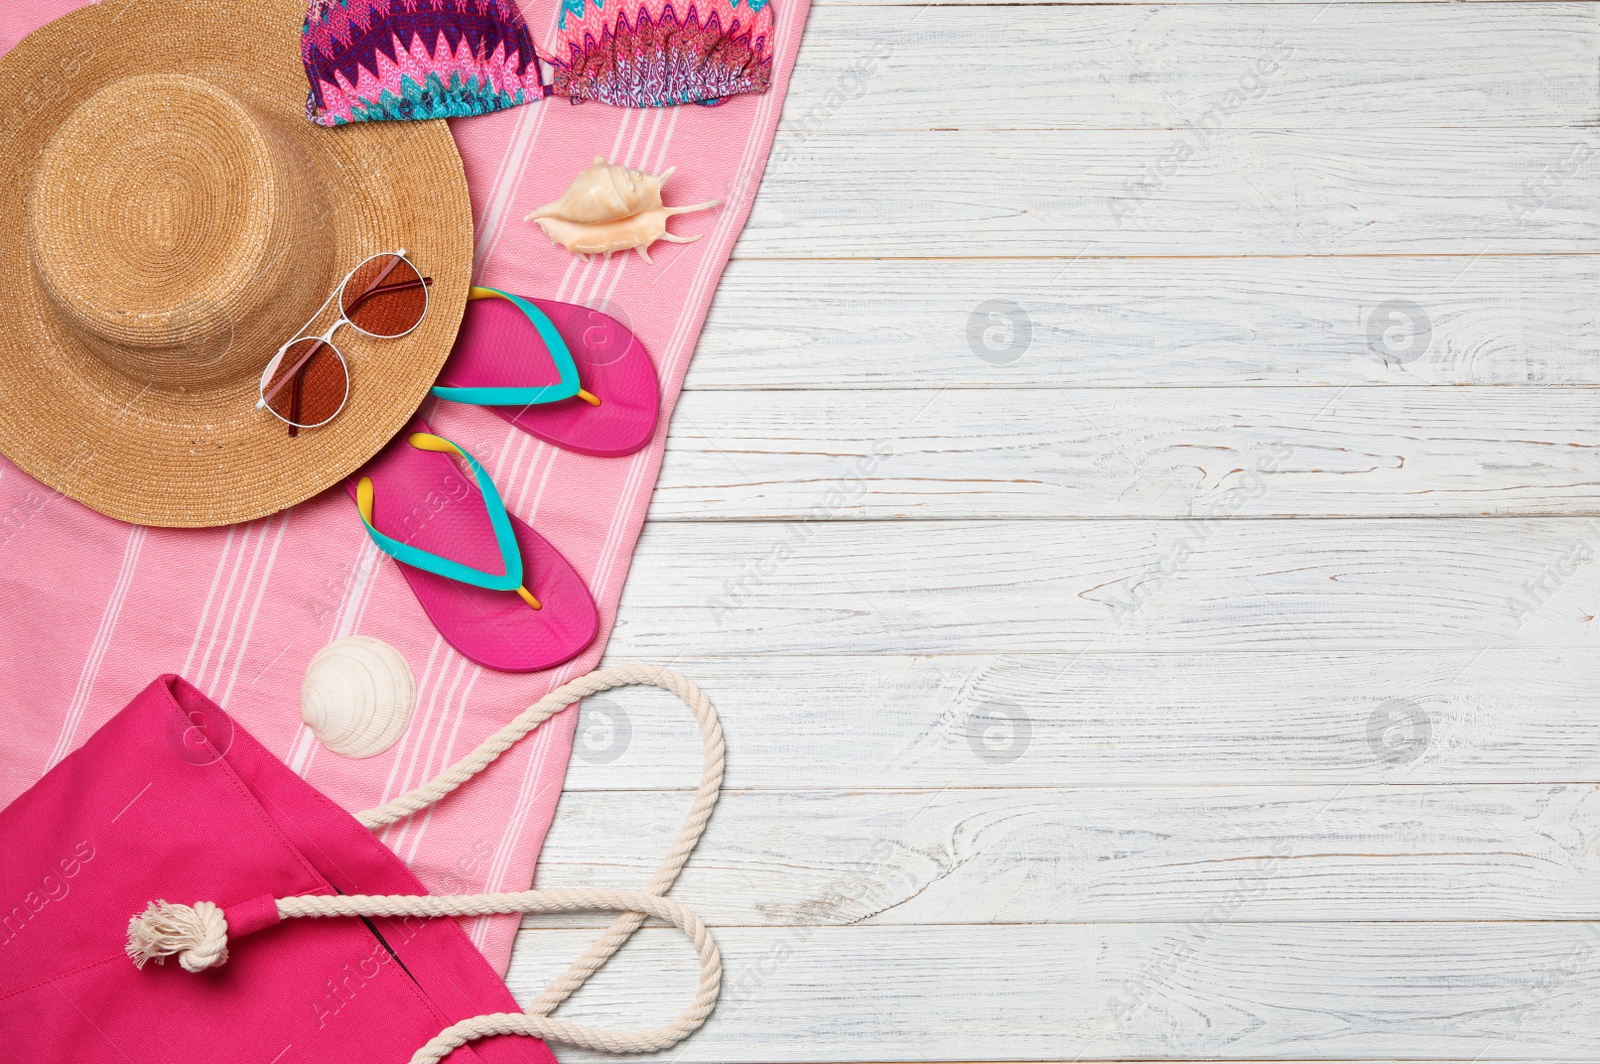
x,y
320,390
385,296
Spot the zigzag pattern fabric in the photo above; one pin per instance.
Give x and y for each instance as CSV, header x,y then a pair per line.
x,y
387,60
656,53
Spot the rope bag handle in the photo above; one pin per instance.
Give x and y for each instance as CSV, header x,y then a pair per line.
x,y
198,935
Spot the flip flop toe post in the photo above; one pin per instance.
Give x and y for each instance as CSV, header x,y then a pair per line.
x,y
495,589
568,375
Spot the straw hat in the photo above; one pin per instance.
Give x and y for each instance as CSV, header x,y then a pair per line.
x,y
174,219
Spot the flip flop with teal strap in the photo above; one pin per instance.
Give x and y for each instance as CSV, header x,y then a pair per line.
x,y
494,588
568,375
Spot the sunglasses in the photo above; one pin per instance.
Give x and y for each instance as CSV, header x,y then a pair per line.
x,y
307,381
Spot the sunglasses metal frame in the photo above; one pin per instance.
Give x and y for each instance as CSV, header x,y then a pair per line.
x,y
326,339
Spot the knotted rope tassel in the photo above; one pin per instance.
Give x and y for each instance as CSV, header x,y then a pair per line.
x,y
198,935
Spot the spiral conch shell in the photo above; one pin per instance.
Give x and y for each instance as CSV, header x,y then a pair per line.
x,y
604,193
609,208
357,696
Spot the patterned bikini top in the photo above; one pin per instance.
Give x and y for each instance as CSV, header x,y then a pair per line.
x,y
375,60
378,60
654,53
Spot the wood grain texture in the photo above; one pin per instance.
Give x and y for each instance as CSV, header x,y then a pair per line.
x,y
1010,587
1358,66
1066,194
1207,990
1157,323
1180,453
1117,718
971,853
1134,509
915,6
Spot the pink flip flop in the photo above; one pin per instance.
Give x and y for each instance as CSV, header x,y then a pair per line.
x,y
496,590
569,375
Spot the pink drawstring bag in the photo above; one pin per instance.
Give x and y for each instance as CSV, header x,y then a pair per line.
x,y
171,799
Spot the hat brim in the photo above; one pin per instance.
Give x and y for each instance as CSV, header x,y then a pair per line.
x,y
155,454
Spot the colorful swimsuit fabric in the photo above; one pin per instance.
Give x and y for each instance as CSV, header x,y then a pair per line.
x,y
655,53
387,60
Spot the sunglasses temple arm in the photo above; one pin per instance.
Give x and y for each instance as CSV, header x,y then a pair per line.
x,y
294,408
383,291
293,373
266,395
393,264
340,288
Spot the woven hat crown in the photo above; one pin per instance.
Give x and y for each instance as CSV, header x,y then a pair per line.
x,y
165,221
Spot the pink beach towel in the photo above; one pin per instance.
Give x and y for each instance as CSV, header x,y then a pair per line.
x,y
90,608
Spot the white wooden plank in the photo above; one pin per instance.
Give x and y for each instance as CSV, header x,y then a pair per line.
x,y
973,854
1162,66
916,5
1208,990
1109,719
1073,193
1156,322
1074,586
1263,452
1219,722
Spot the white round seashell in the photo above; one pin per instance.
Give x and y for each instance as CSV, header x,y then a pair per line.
x,y
357,696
